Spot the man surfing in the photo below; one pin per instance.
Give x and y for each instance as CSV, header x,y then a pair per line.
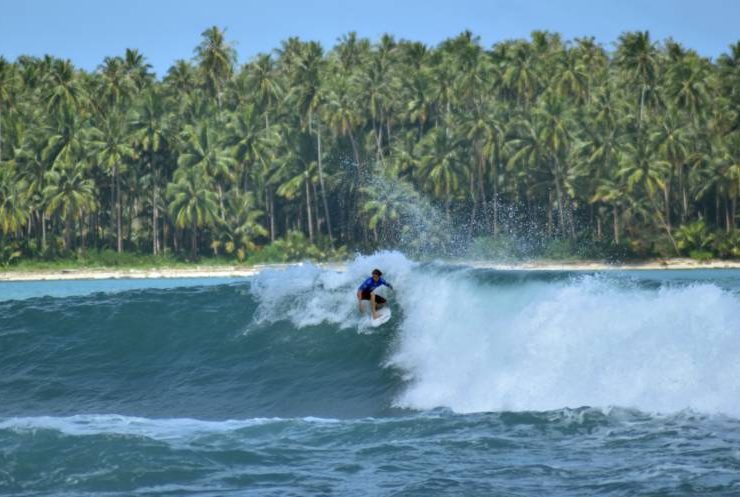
x,y
366,291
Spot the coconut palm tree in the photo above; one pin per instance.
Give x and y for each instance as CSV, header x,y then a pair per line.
x,y
203,148
70,194
216,58
14,206
441,165
193,203
7,87
265,84
242,227
152,131
112,142
637,57
252,145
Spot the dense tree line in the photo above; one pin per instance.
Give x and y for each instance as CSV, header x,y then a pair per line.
x,y
637,147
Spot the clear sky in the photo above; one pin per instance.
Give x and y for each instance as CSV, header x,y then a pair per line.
x,y
86,31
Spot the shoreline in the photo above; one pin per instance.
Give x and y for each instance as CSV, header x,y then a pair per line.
x,y
243,272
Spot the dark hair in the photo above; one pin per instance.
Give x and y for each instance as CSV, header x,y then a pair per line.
x,y
377,271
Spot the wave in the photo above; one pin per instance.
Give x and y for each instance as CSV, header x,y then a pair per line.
x,y
290,343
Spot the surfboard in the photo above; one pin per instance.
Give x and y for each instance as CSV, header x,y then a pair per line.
x,y
384,315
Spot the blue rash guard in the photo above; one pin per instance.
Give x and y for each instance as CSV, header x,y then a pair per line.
x,y
370,284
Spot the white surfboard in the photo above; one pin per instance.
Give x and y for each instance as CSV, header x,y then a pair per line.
x,y
384,315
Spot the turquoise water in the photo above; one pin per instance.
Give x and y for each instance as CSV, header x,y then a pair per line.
x,y
485,382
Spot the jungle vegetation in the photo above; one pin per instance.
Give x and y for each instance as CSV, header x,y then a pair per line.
x,y
528,147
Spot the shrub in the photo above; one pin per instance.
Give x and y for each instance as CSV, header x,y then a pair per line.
x,y
694,237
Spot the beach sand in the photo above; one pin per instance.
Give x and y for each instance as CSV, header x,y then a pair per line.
x,y
241,271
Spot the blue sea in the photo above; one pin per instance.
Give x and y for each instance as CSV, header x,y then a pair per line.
x,y
484,383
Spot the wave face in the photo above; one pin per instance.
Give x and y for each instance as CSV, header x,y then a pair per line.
x,y
274,385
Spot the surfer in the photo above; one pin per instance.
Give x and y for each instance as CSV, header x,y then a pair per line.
x,y
366,291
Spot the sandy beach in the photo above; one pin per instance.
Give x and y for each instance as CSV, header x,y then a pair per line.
x,y
241,271
109,273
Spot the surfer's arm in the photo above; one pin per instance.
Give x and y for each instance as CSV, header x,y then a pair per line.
x,y
383,282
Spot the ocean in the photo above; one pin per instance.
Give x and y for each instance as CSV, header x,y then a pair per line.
x,y
485,382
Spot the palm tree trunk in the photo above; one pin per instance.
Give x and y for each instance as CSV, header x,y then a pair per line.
x,y
474,210
717,214
561,208
495,197
272,216
355,150
194,240
316,211
82,231
684,194
728,217
155,227
667,195
549,213
308,208
119,229
615,214
323,189
43,231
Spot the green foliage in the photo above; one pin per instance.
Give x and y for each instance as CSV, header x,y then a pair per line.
x,y
728,244
376,145
695,238
9,254
701,255
295,248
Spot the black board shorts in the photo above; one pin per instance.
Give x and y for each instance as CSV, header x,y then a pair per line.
x,y
378,298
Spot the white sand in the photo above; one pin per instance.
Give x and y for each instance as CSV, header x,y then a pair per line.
x,y
241,271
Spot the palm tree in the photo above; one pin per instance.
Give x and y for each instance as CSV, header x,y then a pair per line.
x,y
671,140
63,90
193,203
242,227
152,132
216,58
116,90
306,91
14,208
442,165
69,194
181,78
203,149
645,174
637,56
7,86
251,144
264,82
343,116
137,69
112,142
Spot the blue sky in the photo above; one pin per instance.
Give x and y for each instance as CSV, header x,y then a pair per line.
x,y
86,31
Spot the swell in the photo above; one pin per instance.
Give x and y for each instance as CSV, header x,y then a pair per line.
x,y
289,343
587,451
187,351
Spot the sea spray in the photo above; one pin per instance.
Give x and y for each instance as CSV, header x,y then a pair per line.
x,y
586,342
483,340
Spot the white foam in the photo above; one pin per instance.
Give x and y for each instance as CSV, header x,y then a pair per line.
x,y
308,295
170,429
589,342
474,346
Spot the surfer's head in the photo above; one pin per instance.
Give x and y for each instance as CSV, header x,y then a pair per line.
x,y
377,274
